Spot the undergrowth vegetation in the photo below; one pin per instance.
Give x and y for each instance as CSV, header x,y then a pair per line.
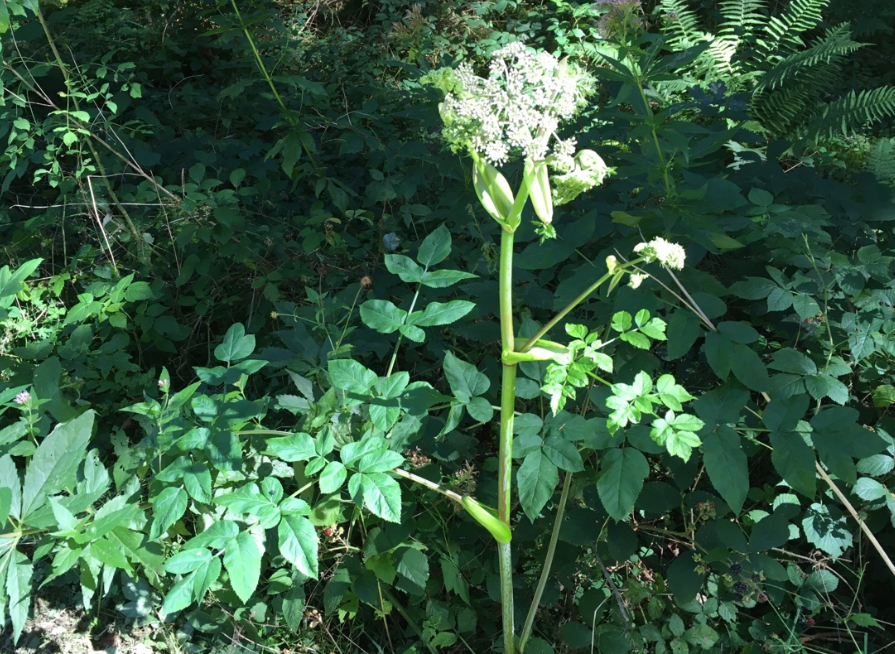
x,y
289,300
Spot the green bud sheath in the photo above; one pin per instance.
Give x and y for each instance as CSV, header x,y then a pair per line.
x,y
488,519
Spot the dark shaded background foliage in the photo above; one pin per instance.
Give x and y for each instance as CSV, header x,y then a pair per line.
x,y
279,216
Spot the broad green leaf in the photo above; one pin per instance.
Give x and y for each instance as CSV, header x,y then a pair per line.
x,y
351,376
236,345
464,378
381,461
480,409
179,596
19,571
204,577
718,354
378,492
435,247
5,504
794,461
821,386
445,278
109,555
826,530
296,447
332,477
563,454
404,267
168,507
298,544
748,367
9,479
381,315
769,532
11,283
793,361
412,565
683,329
621,480
248,499
392,386
870,489
137,547
536,478
684,578
55,462
243,563
438,313
785,414
875,466
351,452
727,466
413,332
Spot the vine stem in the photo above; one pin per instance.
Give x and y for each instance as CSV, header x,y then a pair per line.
x,y
548,563
854,514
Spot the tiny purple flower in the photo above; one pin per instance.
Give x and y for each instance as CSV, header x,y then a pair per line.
x,y
22,398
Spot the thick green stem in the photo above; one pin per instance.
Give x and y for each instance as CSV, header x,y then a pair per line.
x,y
505,557
548,563
505,455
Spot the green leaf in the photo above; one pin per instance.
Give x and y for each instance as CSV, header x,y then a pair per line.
x,y
351,452
179,596
464,378
243,563
413,566
563,454
168,507
621,480
351,376
297,447
381,315
827,531
381,461
445,278
438,313
298,544
793,361
11,283
186,561
684,579
480,409
769,532
109,555
236,345
821,386
702,636
217,534
794,461
747,366
19,571
404,267
536,478
248,499
717,353
332,477
870,489
727,466
435,247
864,620
379,493
55,462
785,414
413,332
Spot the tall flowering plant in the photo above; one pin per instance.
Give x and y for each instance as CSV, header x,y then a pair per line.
x,y
513,113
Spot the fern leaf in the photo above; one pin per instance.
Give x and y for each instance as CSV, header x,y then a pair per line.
x,y
783,31
681,24
829,49
881,160
851,112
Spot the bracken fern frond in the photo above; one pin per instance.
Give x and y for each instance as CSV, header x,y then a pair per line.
x,y
851,112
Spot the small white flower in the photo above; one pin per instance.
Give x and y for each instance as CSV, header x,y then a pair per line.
x,y
163,383
665,252
22,398
636,279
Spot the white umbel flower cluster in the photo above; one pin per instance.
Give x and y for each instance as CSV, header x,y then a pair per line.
x,y
516,109
586,171
666,253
